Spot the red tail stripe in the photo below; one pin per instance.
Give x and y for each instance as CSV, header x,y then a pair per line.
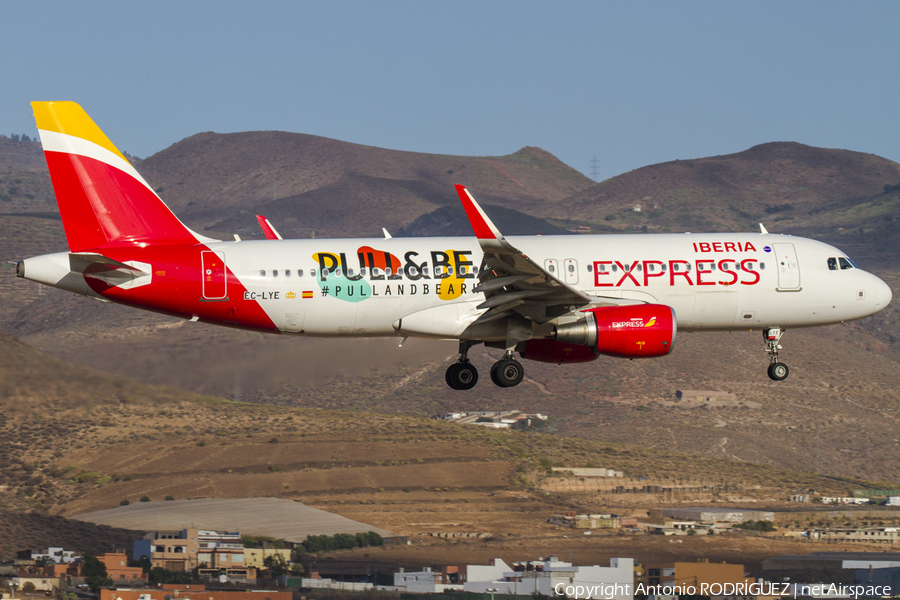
x,y
101,205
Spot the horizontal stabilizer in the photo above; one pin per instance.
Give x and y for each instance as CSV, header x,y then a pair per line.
x,y
110,271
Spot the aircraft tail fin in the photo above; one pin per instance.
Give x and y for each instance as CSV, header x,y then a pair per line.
x,y
102,199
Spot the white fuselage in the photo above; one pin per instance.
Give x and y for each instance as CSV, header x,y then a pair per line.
x,y
712,281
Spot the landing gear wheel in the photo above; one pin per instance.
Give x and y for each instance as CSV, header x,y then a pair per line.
x,y
451,376
778,371
494,374
507,372
462,376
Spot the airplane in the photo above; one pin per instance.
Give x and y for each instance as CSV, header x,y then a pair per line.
x,y
558,299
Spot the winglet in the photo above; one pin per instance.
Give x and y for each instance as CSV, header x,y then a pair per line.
x,y
387,236
762,228
482,226
267,228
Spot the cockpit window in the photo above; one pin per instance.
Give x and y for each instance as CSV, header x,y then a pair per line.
x,y
832,264
845,264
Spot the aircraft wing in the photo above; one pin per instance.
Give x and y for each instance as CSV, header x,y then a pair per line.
x,y
511,281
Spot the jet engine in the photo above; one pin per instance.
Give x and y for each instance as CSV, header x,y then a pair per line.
x,y
637,331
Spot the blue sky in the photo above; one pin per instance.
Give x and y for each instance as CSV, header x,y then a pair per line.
x,y
634,83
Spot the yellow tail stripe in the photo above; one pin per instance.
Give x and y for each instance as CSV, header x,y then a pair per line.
x,y
69,118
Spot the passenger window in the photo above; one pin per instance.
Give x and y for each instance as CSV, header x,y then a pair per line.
x,y
449,270
640,268
676,267
571,268
287,272
687,267
362,271
615,268
388,272
424,270
590,268
376,271
412,271
337,273
462,270
662,268
274,272
832,264
845,264
299,272
262,273
762,266
551,268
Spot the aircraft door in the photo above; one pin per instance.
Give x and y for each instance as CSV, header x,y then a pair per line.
x,y
214,277
571,267
788,267
552,267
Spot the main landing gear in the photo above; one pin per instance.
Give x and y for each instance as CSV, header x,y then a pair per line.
x,y
462,375
778,371
507,372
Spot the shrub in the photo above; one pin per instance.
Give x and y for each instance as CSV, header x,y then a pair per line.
x,y
145,498
124,502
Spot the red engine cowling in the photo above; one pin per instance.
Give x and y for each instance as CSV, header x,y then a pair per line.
x,y
637,331
551,351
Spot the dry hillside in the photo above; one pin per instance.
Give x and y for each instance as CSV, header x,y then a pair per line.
x,y
835,412
80,441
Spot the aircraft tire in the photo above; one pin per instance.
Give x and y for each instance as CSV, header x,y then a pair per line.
x,y
466,376
461,376
494,374
778,371
508,372
451,376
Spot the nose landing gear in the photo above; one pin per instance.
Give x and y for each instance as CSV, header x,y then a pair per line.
x,y
778,371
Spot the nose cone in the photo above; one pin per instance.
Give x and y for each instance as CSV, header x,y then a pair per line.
x,y
883,294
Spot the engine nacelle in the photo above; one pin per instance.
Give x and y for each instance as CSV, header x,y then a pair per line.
x,y
636,331
551,351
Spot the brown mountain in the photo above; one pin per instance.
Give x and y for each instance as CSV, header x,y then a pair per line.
x,y
307,184
779,181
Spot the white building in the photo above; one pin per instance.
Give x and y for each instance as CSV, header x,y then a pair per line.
x,y
553,577
424,582
56,555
